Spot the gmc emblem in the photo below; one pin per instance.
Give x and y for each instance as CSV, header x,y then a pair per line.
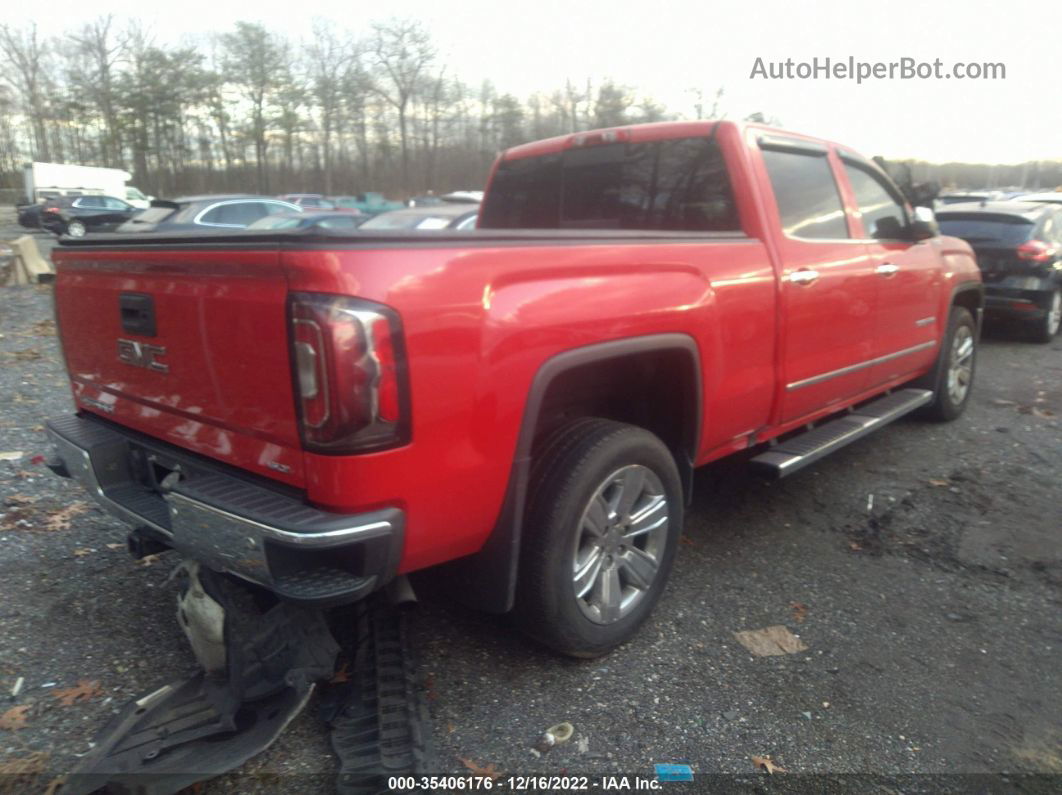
x,y
140,354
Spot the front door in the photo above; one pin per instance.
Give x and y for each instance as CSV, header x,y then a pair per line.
x,y
908,276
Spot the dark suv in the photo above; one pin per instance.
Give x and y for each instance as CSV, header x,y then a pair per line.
x,y
1019,249
78,215
204,213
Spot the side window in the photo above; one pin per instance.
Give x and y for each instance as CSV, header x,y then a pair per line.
x,y
338,223
243,213
114,204
807,196
272,208
94,202
213,216
234,214
884,217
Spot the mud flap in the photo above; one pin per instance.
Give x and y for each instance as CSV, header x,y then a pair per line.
x,y
215,721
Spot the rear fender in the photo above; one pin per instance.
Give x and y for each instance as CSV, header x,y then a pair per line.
x,y
487,579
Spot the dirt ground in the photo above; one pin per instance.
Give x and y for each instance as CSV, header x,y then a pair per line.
x,y
922,568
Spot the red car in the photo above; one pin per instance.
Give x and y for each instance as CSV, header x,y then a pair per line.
x,y
520,405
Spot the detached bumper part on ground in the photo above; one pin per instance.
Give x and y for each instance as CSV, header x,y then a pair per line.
x,y
261,534
189,731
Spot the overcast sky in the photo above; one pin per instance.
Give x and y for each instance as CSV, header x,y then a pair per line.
x,y
664,49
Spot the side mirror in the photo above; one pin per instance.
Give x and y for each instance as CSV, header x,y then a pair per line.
x,y
924,224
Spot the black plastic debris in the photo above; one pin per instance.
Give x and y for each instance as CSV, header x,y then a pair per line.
x,y
235,708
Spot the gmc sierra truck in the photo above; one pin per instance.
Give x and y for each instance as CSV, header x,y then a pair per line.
x,y
520,407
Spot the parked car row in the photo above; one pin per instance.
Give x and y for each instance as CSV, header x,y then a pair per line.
x,y
77,216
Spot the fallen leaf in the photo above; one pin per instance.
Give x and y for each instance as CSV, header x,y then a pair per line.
x,y
450,728
765,763
37,459
22,771
54,785
19,500
490,771
148,560
852,545
687,541
937,482
1001,402
770,641
1042,413
83,691
800,611
117,546
28,355
60,520
45,328
81,552
14,718
22,474
11,455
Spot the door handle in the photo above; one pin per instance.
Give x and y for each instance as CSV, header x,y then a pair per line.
x,y
804,276
887,269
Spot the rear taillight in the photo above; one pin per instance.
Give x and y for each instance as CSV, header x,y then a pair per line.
x,y
52,210
1035,251
350,374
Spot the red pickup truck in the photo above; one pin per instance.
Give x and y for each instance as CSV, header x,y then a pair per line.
x,y
318,412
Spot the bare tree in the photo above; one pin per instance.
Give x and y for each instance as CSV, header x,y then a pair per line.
x,y
102,49
253,58
24,52
329,58
402,51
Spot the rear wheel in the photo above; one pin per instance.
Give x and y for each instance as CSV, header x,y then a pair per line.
x,y
605,515
1047,327
952,378
75,229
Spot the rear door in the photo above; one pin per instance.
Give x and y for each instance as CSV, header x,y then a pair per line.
x,y
908,275
828,281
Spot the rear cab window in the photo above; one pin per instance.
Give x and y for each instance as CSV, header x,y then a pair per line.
x,y
676,185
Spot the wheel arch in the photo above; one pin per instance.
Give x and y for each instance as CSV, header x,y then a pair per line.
x,y
971,296
487,579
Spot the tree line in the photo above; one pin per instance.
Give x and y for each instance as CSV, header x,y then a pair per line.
x,y
252,110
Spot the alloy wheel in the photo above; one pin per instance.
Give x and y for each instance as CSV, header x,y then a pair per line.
x,y
620,542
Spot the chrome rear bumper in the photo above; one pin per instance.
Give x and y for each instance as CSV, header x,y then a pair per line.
x,y
229,523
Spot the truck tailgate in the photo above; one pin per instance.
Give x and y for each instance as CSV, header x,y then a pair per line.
x,y
189,346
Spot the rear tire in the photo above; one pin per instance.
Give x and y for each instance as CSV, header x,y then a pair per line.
x,y
605,513
951,379
1045,329
75,229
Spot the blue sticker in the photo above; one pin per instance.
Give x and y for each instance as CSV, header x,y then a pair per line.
x,y
668,772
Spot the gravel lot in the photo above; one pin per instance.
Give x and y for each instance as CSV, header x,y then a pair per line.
x,y
932,619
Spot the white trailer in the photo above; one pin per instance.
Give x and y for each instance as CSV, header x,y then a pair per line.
x,y
44,181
